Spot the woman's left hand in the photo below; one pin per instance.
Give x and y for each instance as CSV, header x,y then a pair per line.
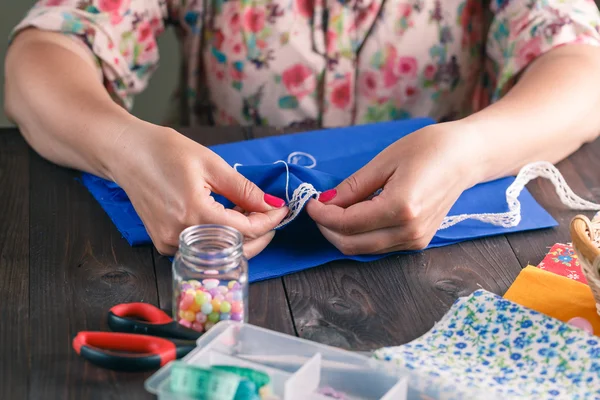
x,y
422,175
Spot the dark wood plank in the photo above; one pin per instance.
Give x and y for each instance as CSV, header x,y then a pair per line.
x,y
581,173
80,266
14,265
394,300
268,306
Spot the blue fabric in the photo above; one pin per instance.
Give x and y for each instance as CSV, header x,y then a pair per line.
x,y
338,153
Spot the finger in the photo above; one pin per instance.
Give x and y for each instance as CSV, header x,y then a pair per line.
x,y
251,226
253,247
232,185
364,216
240,210
379,241
360,185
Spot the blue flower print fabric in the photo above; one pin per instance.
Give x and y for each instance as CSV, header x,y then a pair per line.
x,y
487,344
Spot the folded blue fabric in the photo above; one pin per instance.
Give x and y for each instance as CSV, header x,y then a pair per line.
x,y
279,165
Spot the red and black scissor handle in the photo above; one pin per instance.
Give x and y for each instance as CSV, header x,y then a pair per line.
x,y
127,351
147,319
142,345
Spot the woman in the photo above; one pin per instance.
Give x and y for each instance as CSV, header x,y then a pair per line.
x,y
516,81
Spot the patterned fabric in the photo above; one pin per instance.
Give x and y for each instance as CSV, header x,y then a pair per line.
x,y
490,344
562,260
322,62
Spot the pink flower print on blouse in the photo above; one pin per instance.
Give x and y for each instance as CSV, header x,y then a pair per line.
x,y
232,17
369,83
53,2
429,72
331,42
235,73
110,6
390,77
254,19
305,7
340,95
528,51
407,67
403,20
144,31
299,80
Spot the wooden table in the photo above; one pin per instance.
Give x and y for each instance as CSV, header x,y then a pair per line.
x,y
63,265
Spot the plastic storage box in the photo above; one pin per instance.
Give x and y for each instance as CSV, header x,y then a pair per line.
x,y
297,367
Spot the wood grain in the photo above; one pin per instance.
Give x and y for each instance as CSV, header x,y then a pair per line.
x,y
80,266
14,266
268,306
363,306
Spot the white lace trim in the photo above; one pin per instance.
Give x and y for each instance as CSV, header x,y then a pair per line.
x,y
511,218
301,195
508,219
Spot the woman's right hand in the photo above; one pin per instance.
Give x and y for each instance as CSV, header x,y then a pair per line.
x,y
169,179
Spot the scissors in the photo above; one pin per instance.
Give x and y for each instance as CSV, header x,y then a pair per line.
x,y
144,338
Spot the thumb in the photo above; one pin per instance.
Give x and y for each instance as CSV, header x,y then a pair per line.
x,y
358,186
232,185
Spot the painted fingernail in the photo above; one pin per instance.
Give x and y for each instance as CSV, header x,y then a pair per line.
x,y
327,195
274,201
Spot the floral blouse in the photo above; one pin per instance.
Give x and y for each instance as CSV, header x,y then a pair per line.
x,y
321,62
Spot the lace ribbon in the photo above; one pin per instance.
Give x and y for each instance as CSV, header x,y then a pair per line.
x,y
508,219
511,218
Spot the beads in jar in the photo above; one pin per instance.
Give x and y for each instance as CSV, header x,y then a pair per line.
x,y
201,310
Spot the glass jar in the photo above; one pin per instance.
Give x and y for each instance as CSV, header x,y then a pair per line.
x,y
210,277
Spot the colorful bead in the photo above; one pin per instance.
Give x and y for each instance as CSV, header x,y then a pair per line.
x,y
190,291
225,316
209,325
237,316
195,284
236,286
189,315
237,307
213,317
210,283
194,307
225,307
185,286
213,292
197,327
201,318
237,296
203,298
216,305
186,301
185,323
229,297
207,308
223,289
219,297
230,284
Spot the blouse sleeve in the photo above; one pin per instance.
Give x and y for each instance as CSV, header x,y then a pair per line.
x,y
120,33
523,30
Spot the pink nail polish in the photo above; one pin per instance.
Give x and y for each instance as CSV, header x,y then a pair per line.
x,y
327,195
274,201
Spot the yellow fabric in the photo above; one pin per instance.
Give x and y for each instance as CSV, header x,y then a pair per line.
x,y
554,295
